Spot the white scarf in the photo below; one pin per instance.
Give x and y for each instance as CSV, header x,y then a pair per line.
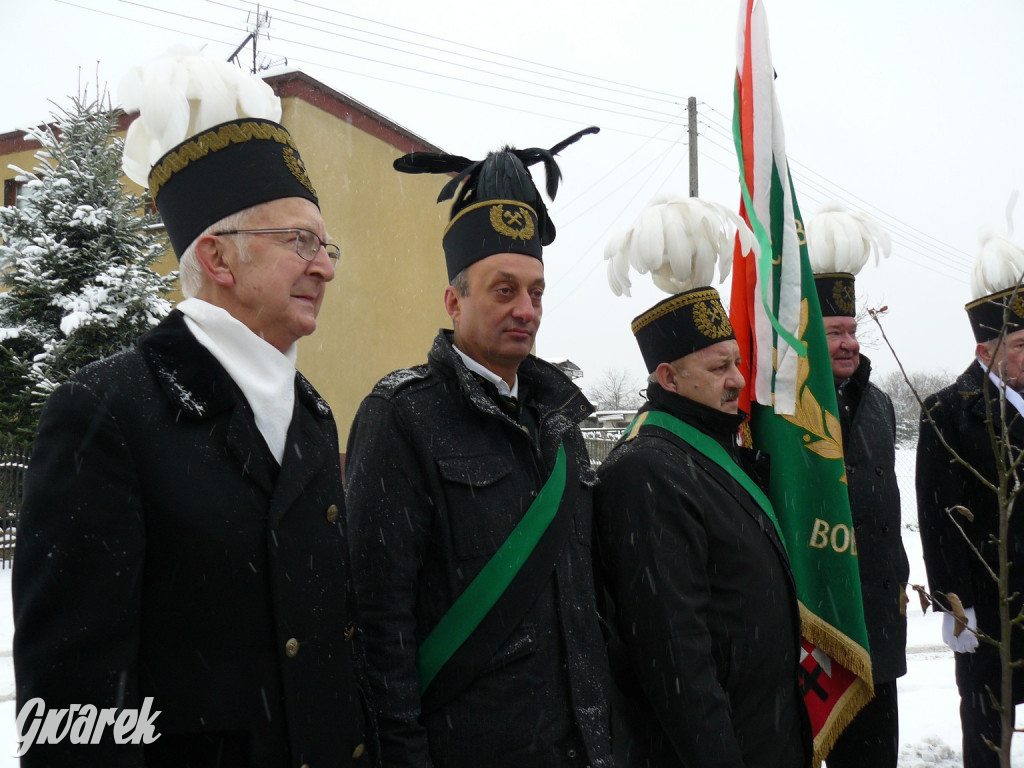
x,y
265,375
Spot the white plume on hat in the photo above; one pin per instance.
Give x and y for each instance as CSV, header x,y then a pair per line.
x,y
180,94
1000,262
841,241
678,240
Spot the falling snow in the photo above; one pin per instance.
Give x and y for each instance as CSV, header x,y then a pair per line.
x,y
929,717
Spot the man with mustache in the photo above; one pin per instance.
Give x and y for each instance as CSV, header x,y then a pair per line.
x,y
701,600
469,496
868,424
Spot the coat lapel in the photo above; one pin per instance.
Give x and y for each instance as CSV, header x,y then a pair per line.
x,y
249,449
975,383
307,448
731,487
744,499
199,388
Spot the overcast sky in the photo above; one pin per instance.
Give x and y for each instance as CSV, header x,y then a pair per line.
x,y
910,110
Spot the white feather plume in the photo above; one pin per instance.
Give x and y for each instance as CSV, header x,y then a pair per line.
x,y
999,265
679,240
1000,262
842,241
181,94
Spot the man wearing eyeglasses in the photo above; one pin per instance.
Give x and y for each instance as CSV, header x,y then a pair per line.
x,y
181,552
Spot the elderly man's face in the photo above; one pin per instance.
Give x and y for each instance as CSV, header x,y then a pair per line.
x,y
710,376
496,322
1006,359
276,293
843,347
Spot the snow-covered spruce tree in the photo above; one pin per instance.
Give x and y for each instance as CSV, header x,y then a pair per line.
x,y
75,260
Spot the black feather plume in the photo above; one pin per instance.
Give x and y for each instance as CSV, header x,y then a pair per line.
x,y
430,162
501,175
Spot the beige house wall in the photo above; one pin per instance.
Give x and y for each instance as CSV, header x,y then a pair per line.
x,y
385,304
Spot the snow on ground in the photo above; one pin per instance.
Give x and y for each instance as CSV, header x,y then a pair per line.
x,y
929,704
928,700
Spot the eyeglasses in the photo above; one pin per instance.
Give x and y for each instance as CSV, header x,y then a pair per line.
x,y
307,244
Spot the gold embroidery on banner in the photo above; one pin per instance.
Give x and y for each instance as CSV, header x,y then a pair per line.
x,y
517,224
824,435
801,236
711,320
213,141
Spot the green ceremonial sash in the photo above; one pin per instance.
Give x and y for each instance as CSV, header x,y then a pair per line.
x,y
470,608
713,450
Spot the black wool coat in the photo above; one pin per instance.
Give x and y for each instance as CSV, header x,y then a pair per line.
x,y
438,475
162,552
869,445
706,628
960,413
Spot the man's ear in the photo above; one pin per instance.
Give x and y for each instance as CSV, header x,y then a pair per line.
x,y
451,303
984,354
666,376
211,254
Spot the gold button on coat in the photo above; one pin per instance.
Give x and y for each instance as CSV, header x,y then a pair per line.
x,y
332,513
358,751
291,648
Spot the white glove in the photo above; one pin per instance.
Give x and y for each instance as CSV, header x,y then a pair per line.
x,y
967,642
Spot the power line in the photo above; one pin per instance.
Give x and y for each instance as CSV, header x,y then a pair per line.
x,y
671,97
629,111
498,59
956,252
825,192
136,21
500,75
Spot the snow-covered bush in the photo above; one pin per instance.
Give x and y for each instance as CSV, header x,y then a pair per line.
x,y
76,282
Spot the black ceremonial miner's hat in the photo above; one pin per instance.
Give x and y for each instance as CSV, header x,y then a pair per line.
x,y
990,314
836,294
680,325
223,170
498,208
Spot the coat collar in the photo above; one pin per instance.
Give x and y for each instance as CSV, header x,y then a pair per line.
x,y
548,389
199,388
720,425
980,396
189,375
192,379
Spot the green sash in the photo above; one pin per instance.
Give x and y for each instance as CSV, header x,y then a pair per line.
x,y
711,449
470,608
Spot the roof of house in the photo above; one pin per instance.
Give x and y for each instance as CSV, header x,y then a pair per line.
x,y
295,84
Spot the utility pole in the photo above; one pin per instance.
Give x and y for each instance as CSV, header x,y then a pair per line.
x,y
691,109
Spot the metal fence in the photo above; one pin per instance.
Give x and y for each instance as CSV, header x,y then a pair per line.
x,y
906,460
600,443
13,463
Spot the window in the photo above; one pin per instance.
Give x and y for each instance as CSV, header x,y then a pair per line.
x,y
15,193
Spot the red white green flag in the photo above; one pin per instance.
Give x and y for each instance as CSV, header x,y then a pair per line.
x,y
791,398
